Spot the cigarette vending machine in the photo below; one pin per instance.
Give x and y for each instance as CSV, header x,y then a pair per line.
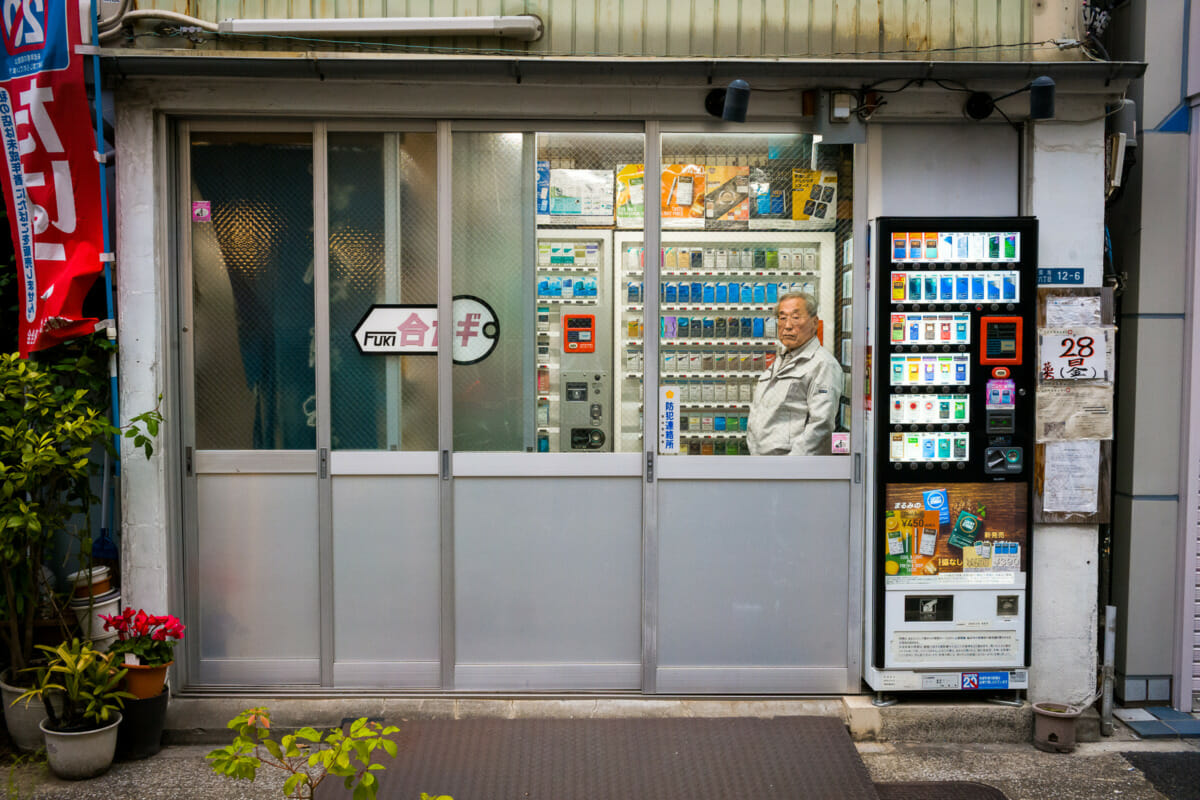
x,y
954,397
574,395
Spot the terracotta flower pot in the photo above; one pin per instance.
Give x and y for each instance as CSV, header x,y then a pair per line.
x,y
143,681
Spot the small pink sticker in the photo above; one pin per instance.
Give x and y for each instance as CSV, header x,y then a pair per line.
x,y
201,211
841,443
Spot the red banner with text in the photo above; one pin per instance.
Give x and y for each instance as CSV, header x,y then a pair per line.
x,y
52,181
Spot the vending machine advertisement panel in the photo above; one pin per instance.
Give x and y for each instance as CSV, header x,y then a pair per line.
x,y
954,453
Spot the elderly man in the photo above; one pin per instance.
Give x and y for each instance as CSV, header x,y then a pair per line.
x,y
796,400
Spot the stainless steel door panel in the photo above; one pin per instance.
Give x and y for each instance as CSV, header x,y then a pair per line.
x,y
257,564
548,581
753,580
386,581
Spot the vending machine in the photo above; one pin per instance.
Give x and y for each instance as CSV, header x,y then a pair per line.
x,y
574,395
954,398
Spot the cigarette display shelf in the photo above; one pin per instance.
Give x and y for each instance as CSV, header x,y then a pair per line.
x,y
705,307
567,301
700,373
768,258
764,342
727,273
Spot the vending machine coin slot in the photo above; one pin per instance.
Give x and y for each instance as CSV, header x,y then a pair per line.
x,y
586,411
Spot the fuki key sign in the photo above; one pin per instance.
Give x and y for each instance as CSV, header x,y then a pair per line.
x,y
413,330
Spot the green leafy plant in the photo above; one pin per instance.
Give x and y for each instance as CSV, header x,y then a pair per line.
x,y
51,419
307,755
86,682
46,437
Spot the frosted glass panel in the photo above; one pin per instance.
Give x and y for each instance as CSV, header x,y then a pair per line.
x,y
257,568
493,237
252,256
382,249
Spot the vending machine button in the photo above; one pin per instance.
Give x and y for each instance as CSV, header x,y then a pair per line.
x,y
1010,307
961,465
928,465
1000,372
945,465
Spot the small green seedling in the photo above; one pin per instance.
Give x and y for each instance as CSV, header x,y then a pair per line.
x,y
308,755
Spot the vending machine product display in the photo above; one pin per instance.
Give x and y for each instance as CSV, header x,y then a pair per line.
x,y
954,452
717,295
574,410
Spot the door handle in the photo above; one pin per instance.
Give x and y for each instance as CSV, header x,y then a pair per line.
x,y
187,461
445,465
323,463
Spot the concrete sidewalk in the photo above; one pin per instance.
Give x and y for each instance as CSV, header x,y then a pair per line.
x,y
1094,770
915,741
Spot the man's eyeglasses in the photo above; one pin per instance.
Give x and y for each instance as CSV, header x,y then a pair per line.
x,y
796,318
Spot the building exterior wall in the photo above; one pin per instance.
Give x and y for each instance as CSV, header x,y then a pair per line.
x,y
1000,30
1149,230
1064,165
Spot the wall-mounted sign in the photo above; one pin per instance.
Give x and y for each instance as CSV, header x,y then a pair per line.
x,y
413,330
668,419
1074,354
954,534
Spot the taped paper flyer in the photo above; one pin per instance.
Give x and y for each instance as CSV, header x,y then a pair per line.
x,y
1066,413
1072,477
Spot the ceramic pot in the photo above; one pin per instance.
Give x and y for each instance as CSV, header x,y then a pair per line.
x,y
22,720
78,755
143,681
1054,727
95,581
88,610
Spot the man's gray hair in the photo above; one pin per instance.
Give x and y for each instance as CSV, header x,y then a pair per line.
x,y
810,302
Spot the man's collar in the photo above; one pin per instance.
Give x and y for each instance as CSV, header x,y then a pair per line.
x,y
805,350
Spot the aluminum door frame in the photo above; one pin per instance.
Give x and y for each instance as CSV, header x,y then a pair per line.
x,y
851,470
533,467
315,463
645,464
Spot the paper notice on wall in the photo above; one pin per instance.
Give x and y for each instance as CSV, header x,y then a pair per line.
x,y
1066,413
1072,312
1072,476
576,197
1075,354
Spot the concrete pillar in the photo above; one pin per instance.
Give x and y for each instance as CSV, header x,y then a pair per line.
x,y
1065,191
142,295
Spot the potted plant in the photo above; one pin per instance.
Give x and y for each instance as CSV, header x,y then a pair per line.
x,y
51,419
81,738
146,645
47,431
